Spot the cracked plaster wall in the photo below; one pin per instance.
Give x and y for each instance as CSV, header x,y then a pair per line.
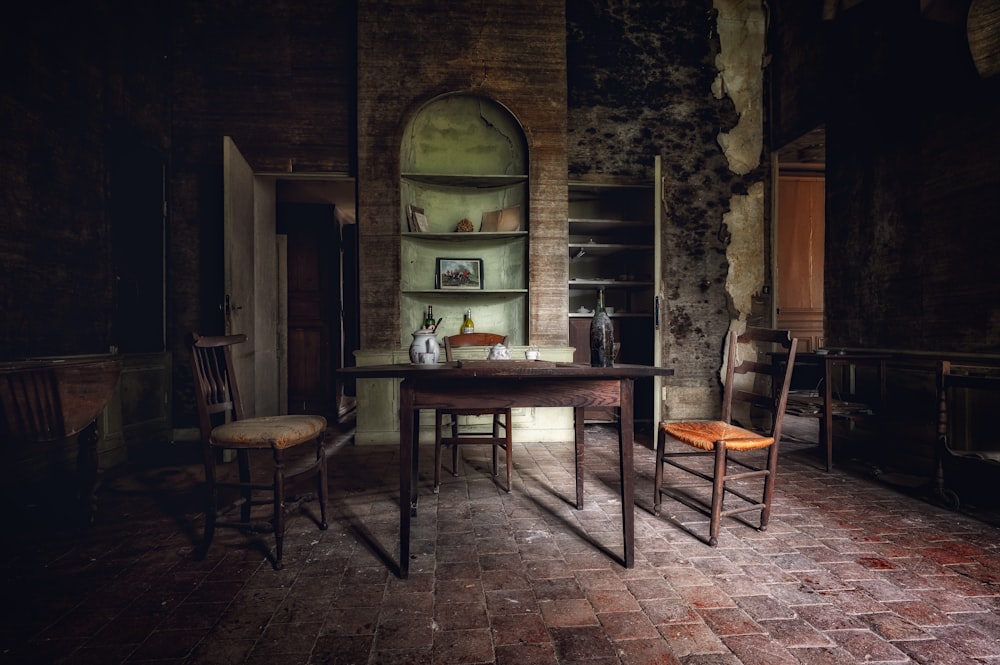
x,y
682,80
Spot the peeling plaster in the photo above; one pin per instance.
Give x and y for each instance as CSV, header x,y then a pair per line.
x,y
741,28
746,249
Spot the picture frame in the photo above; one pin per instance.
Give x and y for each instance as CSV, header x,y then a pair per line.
x,y
459,274
416,219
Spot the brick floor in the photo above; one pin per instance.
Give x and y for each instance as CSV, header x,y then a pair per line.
x,y
849,571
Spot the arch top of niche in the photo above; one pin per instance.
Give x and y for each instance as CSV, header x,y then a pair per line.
x,y
464,133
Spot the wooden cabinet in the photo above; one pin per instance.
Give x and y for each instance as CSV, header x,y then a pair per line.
x,y
464,158
614,245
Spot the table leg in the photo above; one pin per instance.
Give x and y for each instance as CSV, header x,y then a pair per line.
x,y
826,423
578,429
626,434
87,471
407,501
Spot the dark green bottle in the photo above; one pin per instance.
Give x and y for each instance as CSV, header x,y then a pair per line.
x,y
602,336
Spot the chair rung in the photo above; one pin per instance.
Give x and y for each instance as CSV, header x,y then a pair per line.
x,y
257,527
741,495
747,474
474,440
695,472
741,509
746,465
687,500
245,486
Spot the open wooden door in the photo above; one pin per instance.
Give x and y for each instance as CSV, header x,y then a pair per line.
x,y
251,281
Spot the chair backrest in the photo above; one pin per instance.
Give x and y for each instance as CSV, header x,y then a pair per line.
x,y
471,339
215,386
762,379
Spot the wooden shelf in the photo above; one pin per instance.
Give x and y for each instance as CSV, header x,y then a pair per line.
x,y
459,236
461,292
608,283
465,180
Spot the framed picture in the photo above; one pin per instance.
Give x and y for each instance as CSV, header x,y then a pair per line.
x,y
459,274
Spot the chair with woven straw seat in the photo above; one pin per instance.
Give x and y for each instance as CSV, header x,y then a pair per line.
x,y
463,435
758,385
223,427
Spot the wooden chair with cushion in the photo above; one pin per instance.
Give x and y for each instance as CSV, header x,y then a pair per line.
x,y
757,384
223,427
462,435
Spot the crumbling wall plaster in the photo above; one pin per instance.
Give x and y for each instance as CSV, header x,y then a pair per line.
x,y
741,26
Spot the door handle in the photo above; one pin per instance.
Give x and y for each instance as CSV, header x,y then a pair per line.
x,y
227,306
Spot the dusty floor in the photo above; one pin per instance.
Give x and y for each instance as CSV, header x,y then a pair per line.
x,y
850,571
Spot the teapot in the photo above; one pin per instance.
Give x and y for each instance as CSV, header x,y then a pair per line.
x,y
498,352
424,342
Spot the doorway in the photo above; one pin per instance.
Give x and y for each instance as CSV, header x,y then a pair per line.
x,y
313,302
800,236
316,221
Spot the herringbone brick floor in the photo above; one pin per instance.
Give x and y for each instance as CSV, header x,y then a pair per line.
x,y
849,571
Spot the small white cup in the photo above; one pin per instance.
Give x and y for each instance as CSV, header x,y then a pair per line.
x,y
427,359
531,354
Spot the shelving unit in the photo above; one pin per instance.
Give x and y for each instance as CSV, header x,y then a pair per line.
x,y
463,157
614,245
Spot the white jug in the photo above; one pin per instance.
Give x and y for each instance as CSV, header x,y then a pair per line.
x,y
424,341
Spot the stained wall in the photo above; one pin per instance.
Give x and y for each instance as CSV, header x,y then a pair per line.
x,y
684,81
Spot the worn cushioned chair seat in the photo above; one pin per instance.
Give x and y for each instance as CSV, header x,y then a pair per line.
x,y
269,431
704,433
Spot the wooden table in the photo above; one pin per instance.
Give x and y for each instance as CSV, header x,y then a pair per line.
x,y
826,405
48,400
513,383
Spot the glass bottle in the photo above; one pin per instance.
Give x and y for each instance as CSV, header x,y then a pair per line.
x,y
467,325
429,319
602,336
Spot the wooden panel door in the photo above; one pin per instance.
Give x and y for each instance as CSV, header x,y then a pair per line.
x,y
313,276
800,257
250,302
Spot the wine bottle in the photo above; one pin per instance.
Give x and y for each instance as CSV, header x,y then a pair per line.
x,y
602,336
429,319
467,325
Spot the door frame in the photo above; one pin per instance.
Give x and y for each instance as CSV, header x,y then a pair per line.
x,y
256,276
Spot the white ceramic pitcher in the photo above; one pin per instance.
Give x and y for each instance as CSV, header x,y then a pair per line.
x,y
424,341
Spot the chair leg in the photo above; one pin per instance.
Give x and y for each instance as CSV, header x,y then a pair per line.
x,y
437,451
454,447
661,444
772,467
321,481
496,435
211,501
718,492
508,447
279,507
246,493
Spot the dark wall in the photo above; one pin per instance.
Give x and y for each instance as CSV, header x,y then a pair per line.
x,y
913,188
797,44
84,104
279,78
640,85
